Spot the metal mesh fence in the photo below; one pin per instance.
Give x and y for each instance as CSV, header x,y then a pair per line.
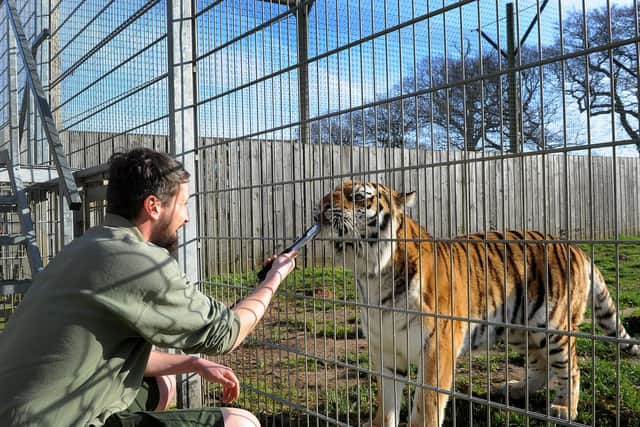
x,y
500,115
109,75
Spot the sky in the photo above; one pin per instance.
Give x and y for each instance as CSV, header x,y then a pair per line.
x,y
247,75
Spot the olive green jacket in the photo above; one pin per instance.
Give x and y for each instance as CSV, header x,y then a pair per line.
x,y
75,350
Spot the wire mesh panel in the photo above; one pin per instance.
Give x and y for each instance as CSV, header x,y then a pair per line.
x,y
473,163
103,69
109,77
500,116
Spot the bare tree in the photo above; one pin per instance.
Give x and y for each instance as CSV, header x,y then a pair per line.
x,y
606,80
460,103
345,128
473,109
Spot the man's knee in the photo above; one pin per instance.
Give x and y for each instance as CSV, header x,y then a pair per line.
x,y
235,417
166,391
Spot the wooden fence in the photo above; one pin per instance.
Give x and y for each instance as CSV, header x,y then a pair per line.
x,y
256,196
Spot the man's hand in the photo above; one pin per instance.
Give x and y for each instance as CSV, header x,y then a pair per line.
x,y
160,364
222,375
282,265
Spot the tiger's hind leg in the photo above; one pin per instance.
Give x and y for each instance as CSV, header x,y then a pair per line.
x,y
536,376
388,396
537,368
563,363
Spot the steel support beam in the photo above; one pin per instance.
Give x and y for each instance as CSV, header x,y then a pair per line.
x,y
512,90
182,142
32,175
24,213
68,184
12,287
301,10
302,13
12,86
24,104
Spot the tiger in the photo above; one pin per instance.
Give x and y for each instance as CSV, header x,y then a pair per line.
x,y
426,302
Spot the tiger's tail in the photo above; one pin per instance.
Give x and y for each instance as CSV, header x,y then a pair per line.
x,y
605,313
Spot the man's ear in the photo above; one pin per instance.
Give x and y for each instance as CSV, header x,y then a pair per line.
x,y
152,207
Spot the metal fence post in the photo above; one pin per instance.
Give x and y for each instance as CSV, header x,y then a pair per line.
x,y
182,143
514,128
303,69
12,82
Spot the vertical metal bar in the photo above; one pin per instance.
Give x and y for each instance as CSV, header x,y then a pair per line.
x,y
302,12
64,236
40,12
12,89
514,131
616,236
183,145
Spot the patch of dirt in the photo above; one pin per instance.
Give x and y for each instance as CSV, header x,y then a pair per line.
x,y
299,370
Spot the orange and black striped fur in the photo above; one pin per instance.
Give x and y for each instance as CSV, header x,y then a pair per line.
x,y
478,285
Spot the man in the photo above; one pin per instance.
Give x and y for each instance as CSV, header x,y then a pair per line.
x,y
77,348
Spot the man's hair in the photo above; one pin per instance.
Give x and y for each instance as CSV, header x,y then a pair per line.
x,y
138,174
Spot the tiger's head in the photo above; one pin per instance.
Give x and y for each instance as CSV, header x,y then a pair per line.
x,y
357,213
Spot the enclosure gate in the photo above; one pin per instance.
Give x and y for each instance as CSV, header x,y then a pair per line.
x,y
501,115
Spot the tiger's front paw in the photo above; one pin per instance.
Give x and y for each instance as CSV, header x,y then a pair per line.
x,y
516,390
559,411
374,423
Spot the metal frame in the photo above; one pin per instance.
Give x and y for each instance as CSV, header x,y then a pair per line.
x,y
259,169
23,212
183,144
213,86
68,186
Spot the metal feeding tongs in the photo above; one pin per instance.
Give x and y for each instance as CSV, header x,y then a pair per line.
x,y
303,240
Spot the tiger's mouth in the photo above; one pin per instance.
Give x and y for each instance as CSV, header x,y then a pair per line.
x,y
339,229
342,241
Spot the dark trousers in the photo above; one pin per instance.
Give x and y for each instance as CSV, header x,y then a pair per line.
x,y
140,413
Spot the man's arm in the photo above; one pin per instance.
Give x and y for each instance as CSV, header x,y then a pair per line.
x,y
251,309
170,364
160,364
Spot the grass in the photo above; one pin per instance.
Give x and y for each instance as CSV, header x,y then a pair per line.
x,y
310,288
350,404
620,272
318,303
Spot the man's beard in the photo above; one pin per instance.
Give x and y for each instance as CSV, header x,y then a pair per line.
x,y
169,242
165,238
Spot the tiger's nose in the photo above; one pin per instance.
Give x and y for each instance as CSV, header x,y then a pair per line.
x,y
322,217
329,201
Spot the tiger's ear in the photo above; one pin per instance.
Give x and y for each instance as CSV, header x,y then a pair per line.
x,y
407,199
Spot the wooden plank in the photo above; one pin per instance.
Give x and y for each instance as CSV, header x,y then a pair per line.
x,y
599,201
621,194
573,186
257,188
582,161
